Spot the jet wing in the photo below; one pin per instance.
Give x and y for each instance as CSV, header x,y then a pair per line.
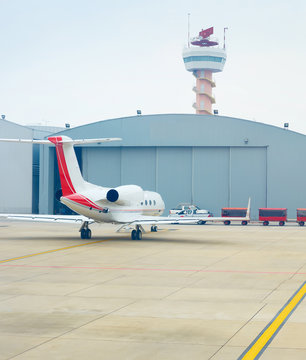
x,y
162,220
47,218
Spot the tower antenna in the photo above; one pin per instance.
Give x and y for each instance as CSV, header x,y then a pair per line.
x,y
188,29
226,28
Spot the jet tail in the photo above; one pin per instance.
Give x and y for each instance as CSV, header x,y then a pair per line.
x,y
70,175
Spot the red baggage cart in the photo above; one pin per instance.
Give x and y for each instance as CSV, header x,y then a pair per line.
x,y
273,214
301,216
234,212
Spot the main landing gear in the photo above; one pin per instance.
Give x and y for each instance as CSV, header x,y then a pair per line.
x,y
136,234
85,231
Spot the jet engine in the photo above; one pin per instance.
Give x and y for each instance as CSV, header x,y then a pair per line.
x,y
125,195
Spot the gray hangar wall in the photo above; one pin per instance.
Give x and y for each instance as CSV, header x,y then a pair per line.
x,y
16,169
211,161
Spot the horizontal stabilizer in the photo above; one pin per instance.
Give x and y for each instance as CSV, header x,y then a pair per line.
x,y
28,141
91,141
62,140
47,218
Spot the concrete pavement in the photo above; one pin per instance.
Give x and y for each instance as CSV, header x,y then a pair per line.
x,y
202,292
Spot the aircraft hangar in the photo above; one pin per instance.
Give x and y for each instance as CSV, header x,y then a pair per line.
x,y
19,180
211,161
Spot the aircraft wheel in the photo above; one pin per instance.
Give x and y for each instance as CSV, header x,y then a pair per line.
x,y
138,235
85,234
153,228
134,235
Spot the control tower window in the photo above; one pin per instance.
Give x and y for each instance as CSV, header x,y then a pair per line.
x,y
202,88
202,73
202,105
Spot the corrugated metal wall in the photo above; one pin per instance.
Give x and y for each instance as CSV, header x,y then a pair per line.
x,y
16,170
207,176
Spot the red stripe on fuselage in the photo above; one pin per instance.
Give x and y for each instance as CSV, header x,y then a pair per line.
x,y
82,200
66,183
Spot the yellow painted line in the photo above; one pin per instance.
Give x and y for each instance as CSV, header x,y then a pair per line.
x,y
51,251
259,345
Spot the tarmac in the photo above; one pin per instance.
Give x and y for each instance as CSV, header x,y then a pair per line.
x,y
196,292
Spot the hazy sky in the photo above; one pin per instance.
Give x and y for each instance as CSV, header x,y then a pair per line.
x,y
82,61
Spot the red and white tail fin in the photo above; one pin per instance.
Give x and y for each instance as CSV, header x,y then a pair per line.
x,y
70,175
68,167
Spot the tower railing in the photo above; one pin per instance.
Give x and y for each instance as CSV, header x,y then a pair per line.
x,y
212,82
200,92
199,110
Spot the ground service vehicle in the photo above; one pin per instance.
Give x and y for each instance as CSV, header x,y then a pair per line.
x,y
194,212
301,216
188,207
234,212
273,214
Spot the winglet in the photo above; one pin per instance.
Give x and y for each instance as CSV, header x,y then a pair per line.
x,y
248,210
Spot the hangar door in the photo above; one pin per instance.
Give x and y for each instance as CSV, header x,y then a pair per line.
x,y
211,177
173,175
248,177
114,166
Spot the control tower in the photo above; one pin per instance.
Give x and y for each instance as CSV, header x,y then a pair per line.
x,y
203,59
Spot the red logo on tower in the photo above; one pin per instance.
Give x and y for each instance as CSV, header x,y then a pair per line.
x,y
207,32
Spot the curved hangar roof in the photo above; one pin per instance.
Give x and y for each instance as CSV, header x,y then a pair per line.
x,y
213,161
185,130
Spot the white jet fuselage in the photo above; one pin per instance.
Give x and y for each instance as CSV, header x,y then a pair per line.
x,y
122,211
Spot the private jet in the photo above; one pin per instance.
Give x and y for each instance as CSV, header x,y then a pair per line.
x,y
127,205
